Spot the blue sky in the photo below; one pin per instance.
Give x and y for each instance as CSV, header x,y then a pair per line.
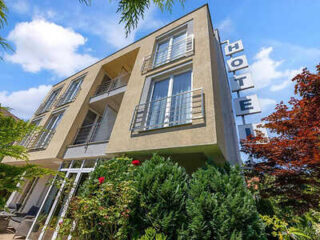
x,y
54,39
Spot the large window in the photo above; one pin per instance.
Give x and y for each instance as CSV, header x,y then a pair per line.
x,y
48,104
46,135
27,140
170,48
170,101
71,92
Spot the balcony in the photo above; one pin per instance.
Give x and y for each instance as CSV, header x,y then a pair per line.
x,y
109,88
90,141
182,48
37,140
176,110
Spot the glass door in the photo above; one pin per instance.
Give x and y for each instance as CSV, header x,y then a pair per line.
x,y
178,47
180,108
158,104
50,127
171,101
161,55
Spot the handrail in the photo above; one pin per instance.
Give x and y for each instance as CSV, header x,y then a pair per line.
x,y
88,134
182,48
38,140
173,110
61,101
112,84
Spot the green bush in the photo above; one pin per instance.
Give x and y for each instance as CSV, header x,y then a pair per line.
x,y
161,201
220,206
102,210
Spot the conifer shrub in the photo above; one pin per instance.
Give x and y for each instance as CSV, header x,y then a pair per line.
x,y
162,194
220,206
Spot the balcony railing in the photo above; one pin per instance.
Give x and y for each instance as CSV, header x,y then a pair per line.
x,y
64,99
37,140
171,111
90,134
44,107
182,48
113,84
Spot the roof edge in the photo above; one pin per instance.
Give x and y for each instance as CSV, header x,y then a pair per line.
x,y
204,5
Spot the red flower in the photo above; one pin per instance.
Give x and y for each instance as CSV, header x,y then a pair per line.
x,y
136,162
101,179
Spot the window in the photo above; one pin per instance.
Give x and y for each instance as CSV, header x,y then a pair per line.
x,y
170,101
71,92
27,140
49,130
170,48
48,104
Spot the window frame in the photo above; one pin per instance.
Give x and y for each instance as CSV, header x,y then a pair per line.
x,y
160,77
63,100
168,37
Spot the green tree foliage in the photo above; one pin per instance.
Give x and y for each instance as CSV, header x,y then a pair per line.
x,y
133,10
10,176
220,206
11,131
162,194
3,21
151,234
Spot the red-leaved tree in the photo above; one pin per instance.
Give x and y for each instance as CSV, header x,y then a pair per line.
x,y
289,163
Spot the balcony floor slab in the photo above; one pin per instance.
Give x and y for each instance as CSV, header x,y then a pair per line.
x,y
86,150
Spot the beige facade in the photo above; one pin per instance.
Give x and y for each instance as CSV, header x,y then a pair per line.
x,y
207,131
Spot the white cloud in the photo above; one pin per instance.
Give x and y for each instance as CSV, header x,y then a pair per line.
x,y
266,102
45,45
265,71
24,102
20,6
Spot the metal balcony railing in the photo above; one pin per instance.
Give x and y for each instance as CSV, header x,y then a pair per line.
x,y
90,134
171,111
65,98
113,84
37,140
45,107
182,48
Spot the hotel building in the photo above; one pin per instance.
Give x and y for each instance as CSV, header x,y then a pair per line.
x,y
166,93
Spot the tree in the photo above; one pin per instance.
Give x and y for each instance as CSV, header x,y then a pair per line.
x,y
133,10
288,164
14,130
221,207
3,21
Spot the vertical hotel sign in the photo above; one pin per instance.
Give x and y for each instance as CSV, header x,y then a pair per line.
x,y
244,105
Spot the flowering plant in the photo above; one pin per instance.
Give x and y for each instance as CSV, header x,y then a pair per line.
x,y
136,162
103,212
101,179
